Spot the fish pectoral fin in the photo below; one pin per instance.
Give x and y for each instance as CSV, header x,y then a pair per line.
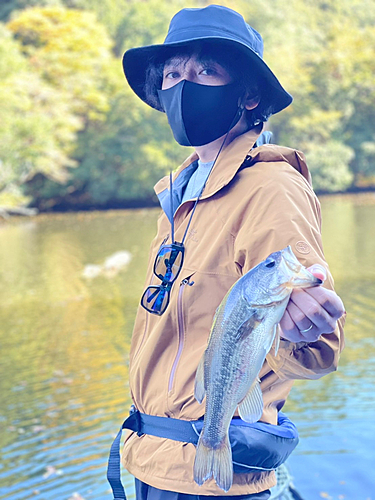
x,y
251,407
199,390
247,326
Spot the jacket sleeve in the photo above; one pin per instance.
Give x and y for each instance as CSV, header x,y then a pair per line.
x,y
282,211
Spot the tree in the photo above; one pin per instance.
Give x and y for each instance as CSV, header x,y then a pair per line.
x,y
121,155
8,7
329,166
36,127
120,158
70,50
322,52
52,80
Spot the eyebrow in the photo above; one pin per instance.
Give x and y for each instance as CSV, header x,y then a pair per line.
x,y
175,61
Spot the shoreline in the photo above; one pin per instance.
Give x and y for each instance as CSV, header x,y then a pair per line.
x,y
367,197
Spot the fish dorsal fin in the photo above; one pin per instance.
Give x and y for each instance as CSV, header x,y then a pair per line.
x,y
251,407
247,326
199,389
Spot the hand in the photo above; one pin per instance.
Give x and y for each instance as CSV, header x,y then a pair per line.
x,y
311,311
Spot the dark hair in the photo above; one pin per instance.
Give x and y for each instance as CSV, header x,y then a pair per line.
x,y
235,64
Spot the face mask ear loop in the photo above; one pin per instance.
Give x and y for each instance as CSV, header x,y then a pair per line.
x,y
239,110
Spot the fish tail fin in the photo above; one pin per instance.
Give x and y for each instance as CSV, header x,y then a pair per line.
x,y
216,462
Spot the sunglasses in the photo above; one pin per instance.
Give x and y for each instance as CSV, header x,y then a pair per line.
x,y
167,267
170,258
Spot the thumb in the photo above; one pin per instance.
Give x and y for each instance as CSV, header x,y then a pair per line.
x,y
318,271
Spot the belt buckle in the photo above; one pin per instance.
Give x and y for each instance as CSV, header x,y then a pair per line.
x,y
132,410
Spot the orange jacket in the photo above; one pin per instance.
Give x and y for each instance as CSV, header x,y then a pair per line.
x,y
244,215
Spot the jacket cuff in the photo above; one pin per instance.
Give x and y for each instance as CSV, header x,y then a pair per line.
x,y
306,360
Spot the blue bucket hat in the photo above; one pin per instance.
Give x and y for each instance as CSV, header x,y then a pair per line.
x,y
220,26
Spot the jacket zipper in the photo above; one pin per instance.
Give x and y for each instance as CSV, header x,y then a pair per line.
x,y
181,329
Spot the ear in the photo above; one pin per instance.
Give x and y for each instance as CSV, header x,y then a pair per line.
x,y
250,101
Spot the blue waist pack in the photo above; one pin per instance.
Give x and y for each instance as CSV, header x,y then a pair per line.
x,y
256,447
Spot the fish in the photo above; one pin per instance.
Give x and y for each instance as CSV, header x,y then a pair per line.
x,y
244,328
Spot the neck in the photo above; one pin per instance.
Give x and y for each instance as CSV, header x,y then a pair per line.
x,y
208,152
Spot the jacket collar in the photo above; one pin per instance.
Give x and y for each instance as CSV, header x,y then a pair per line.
x,y
226,167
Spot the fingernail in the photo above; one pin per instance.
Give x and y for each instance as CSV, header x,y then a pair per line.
x,y
319,271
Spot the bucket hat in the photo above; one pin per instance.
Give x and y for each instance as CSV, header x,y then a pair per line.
x,y
217,25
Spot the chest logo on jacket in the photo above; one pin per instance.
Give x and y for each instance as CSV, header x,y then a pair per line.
x,y
192,235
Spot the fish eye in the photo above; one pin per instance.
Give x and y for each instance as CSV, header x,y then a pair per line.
x,y
270,264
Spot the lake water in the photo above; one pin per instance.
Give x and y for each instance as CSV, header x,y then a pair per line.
x,y
64,353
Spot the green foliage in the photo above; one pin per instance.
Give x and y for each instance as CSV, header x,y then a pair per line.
x,y
331,57
52,76
120,159
121,152
35,126
67,103
132,23
123,158
70,50
8,7
140,26
329,166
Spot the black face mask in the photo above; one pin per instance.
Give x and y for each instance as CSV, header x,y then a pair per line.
x,y
199,114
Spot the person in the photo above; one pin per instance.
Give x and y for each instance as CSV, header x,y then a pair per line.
x,y
236,199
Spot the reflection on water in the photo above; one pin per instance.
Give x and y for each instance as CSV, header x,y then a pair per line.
x,y
65,342
335,414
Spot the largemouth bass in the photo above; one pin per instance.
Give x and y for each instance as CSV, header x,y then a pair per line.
x,y
243,331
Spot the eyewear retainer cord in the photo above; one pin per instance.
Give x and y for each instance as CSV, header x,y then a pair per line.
x,y
240,109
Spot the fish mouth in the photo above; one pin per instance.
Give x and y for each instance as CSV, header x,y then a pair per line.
x,y
299,276
305,280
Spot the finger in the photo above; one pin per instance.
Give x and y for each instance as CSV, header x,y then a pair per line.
x,y
314,311
318,271
286,323
290,330
328,299
307,329
299,317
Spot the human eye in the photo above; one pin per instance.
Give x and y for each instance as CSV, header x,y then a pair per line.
x,y
171,74
209,71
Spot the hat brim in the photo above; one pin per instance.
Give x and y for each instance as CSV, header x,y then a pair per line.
x,y
136,61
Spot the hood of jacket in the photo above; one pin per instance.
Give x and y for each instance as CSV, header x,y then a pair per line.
x,y
240,153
